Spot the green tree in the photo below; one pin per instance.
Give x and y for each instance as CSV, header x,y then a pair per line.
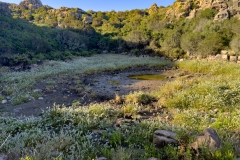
x,y
211,45
235,45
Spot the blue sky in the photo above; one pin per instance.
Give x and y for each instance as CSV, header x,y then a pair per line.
x,y
102,5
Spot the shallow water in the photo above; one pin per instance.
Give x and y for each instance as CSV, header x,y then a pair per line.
x,y
148,77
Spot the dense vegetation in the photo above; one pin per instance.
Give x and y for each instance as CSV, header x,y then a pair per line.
x,y
135,31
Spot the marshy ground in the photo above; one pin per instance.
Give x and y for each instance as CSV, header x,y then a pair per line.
x,y
93,88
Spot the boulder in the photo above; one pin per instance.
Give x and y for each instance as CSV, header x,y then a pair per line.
x,y
233,58
164,137
225,57
88,20
152,158
4,101
222,15
101,158
208,138
224,52
192,14
3,157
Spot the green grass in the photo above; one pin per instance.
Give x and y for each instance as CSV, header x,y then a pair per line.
x,y
208,100
20,83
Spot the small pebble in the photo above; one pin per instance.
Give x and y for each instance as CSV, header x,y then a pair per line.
x,y
4,101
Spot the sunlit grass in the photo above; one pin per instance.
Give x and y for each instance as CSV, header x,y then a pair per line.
x,y
210,99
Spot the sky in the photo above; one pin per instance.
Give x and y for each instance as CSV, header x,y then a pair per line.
x,y
102,5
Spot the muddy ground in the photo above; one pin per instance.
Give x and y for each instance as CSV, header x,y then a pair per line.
x,y
86,89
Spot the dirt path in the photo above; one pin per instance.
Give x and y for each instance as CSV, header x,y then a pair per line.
x,y
86,89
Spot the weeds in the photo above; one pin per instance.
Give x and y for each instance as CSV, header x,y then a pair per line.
x,y
211,99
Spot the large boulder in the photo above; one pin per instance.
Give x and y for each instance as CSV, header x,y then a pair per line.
x,y
164,137
208,138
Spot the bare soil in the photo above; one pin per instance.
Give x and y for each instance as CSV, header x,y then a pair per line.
x,y
86,89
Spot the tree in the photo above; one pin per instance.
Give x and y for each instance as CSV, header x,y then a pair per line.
x,y
211,45
235,45
190,42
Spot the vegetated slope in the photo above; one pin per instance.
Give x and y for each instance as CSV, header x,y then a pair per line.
x,y
182,29
24,42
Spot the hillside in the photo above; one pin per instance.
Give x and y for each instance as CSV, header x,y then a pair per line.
x,y
182,29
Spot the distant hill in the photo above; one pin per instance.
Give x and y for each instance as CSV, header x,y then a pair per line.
x,y
185,28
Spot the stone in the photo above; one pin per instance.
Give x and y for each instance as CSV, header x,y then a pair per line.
x,y
233,58
224,52
225,57
153,158
192,14
164,137
101,158
208,138
4,101
218,57
37,90
3,157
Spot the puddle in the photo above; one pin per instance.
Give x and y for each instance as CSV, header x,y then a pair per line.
x,y
148,77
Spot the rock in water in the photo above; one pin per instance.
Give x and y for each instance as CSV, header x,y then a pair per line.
x,y
164,137
208,138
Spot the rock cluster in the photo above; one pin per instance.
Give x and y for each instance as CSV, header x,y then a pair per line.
x,y
189,8
31,4
208,138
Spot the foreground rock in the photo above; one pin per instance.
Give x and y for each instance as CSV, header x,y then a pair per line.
x,y
101,158
164,137
208,138
4,101
3,157
152,158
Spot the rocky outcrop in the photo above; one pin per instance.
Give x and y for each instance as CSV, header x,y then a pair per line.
x,y
189,8
4,9
179,10
222,15
31,4
192,14
208,138
153,9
